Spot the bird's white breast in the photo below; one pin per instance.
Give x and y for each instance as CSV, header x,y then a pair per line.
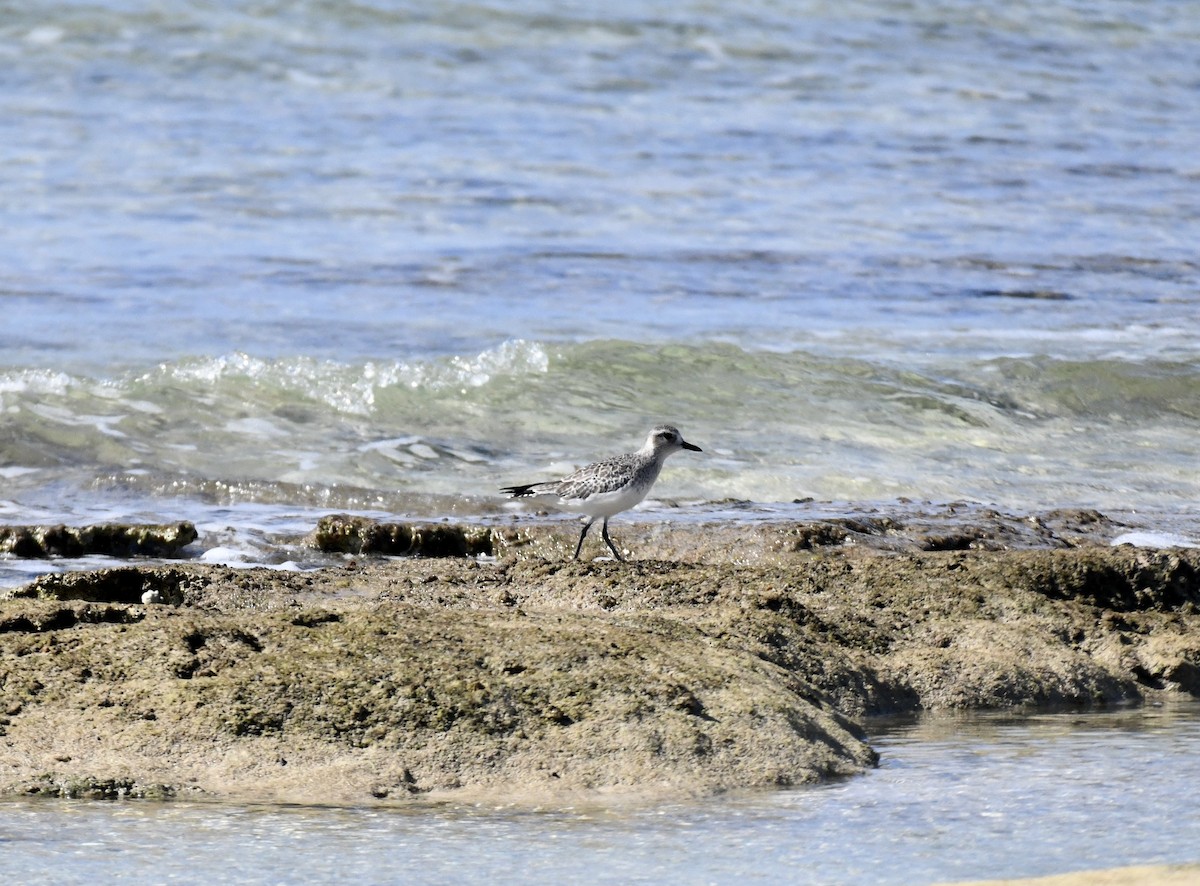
x,y
607,504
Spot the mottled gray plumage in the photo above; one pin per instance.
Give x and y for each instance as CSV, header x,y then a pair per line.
x,y
607,475
611,485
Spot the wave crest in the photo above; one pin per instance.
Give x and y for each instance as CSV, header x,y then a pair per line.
x,y
348,388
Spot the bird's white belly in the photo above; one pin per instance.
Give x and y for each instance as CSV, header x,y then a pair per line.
x,y
606,504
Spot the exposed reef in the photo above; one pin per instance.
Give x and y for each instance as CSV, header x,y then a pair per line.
x,y
109,539
535,680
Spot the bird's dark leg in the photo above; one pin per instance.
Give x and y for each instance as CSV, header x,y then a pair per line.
x,y
611,546
586,527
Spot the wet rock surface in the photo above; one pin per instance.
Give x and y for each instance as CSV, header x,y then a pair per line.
x,y
109,539
347,534
533,680
957,526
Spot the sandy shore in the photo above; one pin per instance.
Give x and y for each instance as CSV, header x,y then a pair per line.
x,y
1145,875
531,680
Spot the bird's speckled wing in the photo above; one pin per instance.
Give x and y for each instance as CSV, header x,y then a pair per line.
x,y
607,475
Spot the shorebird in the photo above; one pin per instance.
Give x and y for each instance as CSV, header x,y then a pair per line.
x,y
611,485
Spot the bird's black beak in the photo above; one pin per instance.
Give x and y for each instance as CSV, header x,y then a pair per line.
x,y
691,446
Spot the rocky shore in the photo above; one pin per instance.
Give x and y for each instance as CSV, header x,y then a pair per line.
x,y
754,656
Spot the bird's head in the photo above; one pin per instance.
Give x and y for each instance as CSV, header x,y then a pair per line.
x,y
667,439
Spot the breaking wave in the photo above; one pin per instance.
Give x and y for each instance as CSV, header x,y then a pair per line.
x,y
775,425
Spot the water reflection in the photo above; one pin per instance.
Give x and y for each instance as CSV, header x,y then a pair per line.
x,y
955,797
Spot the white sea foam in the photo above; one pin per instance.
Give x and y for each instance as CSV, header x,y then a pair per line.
x,y
506,301
255,427
387,445
34,381
239,558
1151,539
45,35
349,388
228,556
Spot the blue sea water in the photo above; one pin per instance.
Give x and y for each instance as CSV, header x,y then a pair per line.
x,y
261,261
390,255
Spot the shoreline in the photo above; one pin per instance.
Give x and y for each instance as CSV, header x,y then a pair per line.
x,y
752,658
1135,875
719,532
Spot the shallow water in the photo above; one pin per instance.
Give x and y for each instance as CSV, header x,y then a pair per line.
x,y
385,256
953,798
264,261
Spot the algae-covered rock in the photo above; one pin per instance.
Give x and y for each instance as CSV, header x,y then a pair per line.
x,y
120,585
400,697
347,534
109,539
551,681
87,787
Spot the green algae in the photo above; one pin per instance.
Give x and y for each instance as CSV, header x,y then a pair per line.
x,y
543,679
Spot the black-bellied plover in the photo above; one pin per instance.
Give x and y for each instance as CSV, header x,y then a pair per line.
x,y
611,485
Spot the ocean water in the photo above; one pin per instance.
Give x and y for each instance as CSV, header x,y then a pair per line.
x,y
262,261
962,798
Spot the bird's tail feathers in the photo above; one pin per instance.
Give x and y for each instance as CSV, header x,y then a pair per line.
x,y
529,489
